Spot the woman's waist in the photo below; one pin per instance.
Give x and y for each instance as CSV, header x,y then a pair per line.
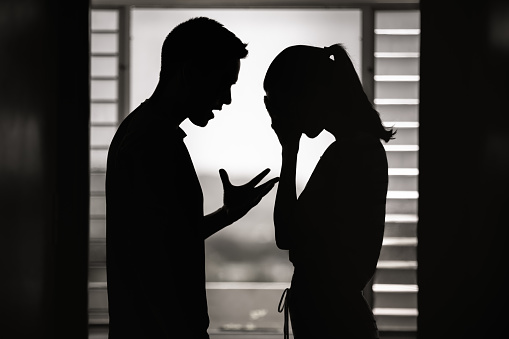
x,y
329,275
341,303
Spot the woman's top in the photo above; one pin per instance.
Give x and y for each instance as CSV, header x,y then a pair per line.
x,y
340,216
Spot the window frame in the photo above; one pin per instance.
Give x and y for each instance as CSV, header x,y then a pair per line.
x,y
368,9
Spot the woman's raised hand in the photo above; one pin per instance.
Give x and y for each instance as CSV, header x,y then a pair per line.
x,y
286,129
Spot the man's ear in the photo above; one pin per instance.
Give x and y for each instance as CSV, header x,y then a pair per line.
x,y
189,73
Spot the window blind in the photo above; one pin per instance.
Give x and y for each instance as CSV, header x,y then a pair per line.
x,y
396,81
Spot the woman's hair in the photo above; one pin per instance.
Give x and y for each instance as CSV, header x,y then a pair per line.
x,y
328,71
201,40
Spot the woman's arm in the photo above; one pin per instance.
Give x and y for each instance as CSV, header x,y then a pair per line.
x,y
286,198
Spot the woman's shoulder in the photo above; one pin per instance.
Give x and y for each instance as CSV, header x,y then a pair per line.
x,y
365,140
362,151
355,145
364,145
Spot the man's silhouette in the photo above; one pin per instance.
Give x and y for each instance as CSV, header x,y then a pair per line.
x,y
154,203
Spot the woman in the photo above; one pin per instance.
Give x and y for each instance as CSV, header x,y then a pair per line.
x,y
334,229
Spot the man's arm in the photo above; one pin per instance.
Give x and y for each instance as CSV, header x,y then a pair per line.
x,y
215,222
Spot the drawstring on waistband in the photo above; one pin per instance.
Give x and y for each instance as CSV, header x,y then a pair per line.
x,y
284,301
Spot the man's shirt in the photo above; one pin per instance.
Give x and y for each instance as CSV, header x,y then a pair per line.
x,y
154,236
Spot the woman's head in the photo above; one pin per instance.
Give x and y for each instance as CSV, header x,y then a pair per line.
x,y
318,87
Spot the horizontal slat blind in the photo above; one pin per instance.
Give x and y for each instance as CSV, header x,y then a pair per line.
x,y
396,79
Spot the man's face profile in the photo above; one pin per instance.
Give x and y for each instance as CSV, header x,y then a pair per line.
x,y
210,91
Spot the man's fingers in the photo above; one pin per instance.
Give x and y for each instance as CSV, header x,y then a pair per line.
x,y
272,182
224,178
266,187
258,178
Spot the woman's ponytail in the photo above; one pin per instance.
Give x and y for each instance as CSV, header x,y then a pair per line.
x,y
362,109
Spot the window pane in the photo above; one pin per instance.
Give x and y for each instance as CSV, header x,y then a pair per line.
x,y
397,66
104,20
97,299
397,275
101,135
97,206
97,252
401,206
393,253
103,90
104,66
405,136
396,90
98,160
397,43
97,273
398,20
402,159
103,112
103,43
398,112
402,183
231,307
97,181
97,228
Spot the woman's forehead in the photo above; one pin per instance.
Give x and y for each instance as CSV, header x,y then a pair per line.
x,y
283,101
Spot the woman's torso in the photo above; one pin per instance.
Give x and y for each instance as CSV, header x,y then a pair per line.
x,y
339,230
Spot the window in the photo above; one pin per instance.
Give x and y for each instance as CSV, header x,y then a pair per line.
x,y
246,277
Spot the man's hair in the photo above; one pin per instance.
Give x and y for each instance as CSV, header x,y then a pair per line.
x,y
200,40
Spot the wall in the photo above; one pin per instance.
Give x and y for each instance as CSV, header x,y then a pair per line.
x,y
464,167
43,168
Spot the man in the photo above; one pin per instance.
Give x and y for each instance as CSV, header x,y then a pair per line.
x,y
154,203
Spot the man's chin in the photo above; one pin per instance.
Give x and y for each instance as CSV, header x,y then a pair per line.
x,y
313,134
199,123
202,121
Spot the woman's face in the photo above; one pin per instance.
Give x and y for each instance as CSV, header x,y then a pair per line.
x,y
304,112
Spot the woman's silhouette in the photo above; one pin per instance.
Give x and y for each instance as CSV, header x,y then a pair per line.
x,y
334,229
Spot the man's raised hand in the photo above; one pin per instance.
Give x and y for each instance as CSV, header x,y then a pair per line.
x,y
238,200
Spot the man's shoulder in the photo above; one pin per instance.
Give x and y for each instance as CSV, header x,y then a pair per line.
x,y
145,129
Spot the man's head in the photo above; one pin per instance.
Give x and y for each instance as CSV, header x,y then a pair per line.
x,y
206,56
201,41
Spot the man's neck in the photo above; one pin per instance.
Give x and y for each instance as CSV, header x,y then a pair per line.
x,y
166,101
